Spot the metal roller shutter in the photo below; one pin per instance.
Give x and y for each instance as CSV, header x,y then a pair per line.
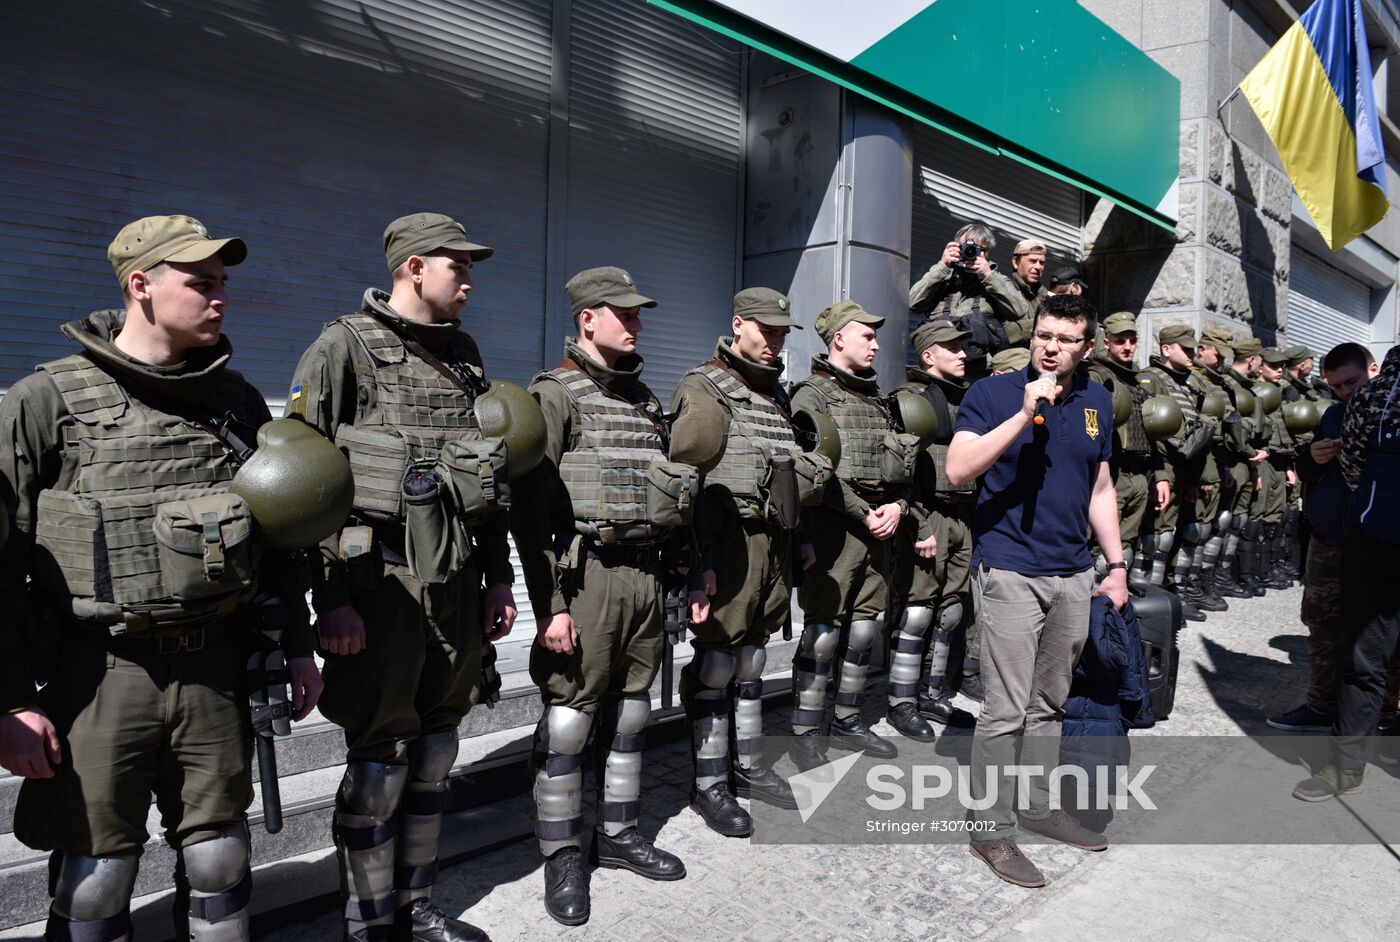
x,y
303,127
955,183
655,138
1325,306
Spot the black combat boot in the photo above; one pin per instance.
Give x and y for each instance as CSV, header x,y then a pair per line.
x,y
566,887
422,921
851,733
631,851
940,709
721,812
759,783
905,718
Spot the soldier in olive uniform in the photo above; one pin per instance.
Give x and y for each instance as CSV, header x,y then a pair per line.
x,y
1238,567
140,575
973,294
395,385
1137,467
1245,521
591,554
1027,274
1009,360
1223,399
1299,387
1277,475
939,590
1189,467
746,534
845,592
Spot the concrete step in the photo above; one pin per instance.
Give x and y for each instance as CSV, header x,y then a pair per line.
x,y
490,768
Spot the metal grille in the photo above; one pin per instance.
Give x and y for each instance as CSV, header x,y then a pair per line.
x,y
1325,306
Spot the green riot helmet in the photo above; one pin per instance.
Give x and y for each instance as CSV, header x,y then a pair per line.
x,y
1122,402
699,433
914,415
1300,416
816,432
1267,395
297,485
1162,418
1244,402
1215,403
508,412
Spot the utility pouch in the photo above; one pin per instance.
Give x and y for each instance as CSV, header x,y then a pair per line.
x,y
671,491
435,541
475,471
206,547
782,504
363,569
813,472
378,461
898,453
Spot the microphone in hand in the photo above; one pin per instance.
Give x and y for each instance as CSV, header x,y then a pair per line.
x,y
1042,406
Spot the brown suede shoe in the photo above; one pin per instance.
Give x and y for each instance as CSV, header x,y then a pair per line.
x,y
1005,859
1061,826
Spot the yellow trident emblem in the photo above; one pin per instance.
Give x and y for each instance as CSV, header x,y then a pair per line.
x,y
1091,422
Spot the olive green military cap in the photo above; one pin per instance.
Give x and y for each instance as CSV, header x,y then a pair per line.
x,y
151,240
842,313
1183,334
1275,356
768,307
937,331
1219,338
421,233
606,285
1012,358
1248,347
1297,354
1120,322
1028,247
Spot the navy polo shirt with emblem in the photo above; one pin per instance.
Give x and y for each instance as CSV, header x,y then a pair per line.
x,y
1032,513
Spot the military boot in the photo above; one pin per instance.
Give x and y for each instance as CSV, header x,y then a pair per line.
x,y
422,921
850,732
566,887
1206,599
760,783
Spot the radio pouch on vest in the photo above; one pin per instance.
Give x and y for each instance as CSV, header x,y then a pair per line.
x,y
205,547
671,490
783,504
475,471
898,453
813,472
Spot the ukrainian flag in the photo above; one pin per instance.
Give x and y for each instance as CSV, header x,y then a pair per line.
x,y
1313,93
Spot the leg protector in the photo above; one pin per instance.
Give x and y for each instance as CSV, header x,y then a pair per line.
x,y
748,706
850,688
430,759
946,623
212,888
1251,563
1161,555
1190,538
1232,543
811,671
559,740
91,898
364,831
620,801
908,654
707,709
1204,535
1147,548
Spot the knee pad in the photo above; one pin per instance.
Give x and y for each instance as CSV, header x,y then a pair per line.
x,y
430,757
1222,522
915,621
372,789
566,730
713,669
218,864
818,641
950,616
863,634
1165,540
1147,544
1253,527
94,888
1193,532
752,659
632,713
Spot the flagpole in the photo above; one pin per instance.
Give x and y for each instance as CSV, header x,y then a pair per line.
x,y
1220,109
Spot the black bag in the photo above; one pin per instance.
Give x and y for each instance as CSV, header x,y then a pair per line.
x,y
1160,622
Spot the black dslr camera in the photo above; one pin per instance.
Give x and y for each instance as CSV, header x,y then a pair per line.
x,y
968,253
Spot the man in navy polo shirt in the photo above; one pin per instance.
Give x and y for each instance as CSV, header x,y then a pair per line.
x,y
1040,439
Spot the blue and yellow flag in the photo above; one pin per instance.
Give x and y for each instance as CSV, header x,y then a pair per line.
x,y
1313,93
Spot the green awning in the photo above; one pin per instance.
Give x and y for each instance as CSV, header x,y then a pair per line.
x,y
1043,82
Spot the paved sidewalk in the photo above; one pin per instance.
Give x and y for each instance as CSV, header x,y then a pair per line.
x,y
1236,668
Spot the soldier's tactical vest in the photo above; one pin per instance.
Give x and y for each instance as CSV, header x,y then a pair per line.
x,y
863,423
615,441
147,536
1132,440
759,429
407,412
947,413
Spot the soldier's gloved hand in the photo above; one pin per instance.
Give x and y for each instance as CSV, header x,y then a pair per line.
x,y
558,634
306,685
341,631
808,552
501,611
927,549
29,745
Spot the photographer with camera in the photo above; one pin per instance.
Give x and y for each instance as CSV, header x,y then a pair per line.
x,y
966,288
